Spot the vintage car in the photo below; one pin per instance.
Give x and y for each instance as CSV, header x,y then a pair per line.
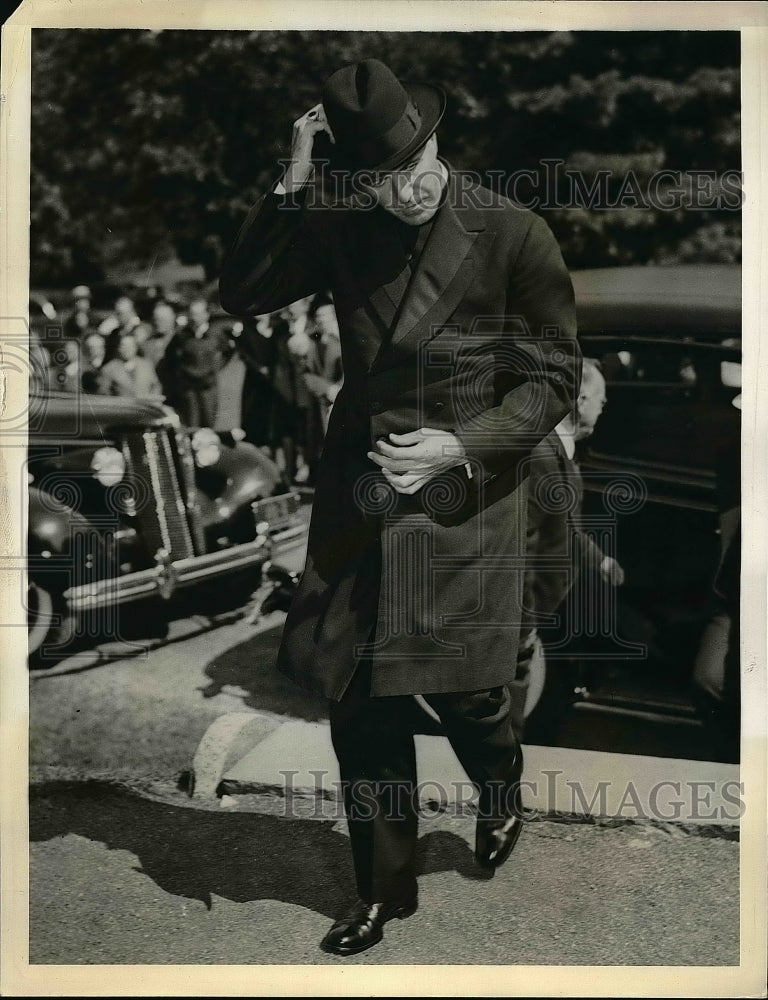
x,y
128,509
661,493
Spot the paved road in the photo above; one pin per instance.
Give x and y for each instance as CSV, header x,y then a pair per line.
x,y
118,878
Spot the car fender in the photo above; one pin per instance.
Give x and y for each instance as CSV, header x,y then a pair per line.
x,y
242,474
53,523
64,548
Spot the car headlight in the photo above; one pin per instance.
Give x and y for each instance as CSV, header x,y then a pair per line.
x,y
730,374
206,445
108,465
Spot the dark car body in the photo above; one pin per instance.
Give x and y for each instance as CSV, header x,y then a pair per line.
x,y
661,479
126,505
670,413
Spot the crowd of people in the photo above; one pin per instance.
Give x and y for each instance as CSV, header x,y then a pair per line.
x,y
293,373
291,359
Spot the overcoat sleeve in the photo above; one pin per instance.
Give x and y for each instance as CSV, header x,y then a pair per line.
x,y
541,322
275,259
590,553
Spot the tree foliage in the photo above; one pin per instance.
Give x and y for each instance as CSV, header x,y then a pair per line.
x,y
147,145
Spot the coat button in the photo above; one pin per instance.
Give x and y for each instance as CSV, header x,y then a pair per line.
x,y
376,404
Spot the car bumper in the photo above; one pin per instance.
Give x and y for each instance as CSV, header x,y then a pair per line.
x,y
168,576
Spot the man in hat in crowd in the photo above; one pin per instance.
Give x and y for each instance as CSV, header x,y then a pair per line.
x,y
122,321
93,359
161,333
191,364
80,323
457,327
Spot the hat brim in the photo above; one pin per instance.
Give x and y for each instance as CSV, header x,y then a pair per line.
x,y
430,102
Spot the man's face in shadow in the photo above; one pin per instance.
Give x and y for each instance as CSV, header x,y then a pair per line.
x,y
412,192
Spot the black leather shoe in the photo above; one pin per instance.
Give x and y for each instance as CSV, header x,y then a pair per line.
x,y
499,826
362,927
494,843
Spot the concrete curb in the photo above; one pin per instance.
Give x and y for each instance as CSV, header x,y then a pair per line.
x,y
227,740
294,760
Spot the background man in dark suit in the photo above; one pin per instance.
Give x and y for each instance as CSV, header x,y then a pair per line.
x,y
256,347
190,367
558,550
457,327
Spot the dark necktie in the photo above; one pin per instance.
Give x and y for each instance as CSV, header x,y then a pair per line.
x,y
414,239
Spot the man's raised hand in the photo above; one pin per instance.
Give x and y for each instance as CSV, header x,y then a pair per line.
x,y
302,143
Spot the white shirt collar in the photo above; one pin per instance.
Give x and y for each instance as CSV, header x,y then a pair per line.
x,y
568,440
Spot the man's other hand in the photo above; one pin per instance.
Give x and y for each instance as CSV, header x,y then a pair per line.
x,y
410,460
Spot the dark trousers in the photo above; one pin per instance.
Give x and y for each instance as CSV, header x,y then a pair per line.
x,y
197,407
373,740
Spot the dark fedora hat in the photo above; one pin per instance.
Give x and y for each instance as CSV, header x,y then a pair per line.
x,y
377,122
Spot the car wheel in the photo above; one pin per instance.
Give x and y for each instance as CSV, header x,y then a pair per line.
x,y
40,617
49,626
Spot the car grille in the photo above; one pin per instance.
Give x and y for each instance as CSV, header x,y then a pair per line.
x,y
162,519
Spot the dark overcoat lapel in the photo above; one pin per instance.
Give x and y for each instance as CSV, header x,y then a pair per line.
x,y
444,271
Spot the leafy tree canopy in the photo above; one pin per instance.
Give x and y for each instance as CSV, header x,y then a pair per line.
x,y
148,145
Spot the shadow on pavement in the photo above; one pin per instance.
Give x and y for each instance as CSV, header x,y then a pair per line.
x,y
197,854
250,666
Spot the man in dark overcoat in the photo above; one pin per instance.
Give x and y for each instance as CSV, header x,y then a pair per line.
x,y
457,327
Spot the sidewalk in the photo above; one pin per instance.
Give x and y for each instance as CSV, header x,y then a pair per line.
x,y
294,759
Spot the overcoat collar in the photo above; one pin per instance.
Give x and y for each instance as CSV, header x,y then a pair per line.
x,y
424,300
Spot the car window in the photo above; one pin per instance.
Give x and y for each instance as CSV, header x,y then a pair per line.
x,y
669,404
